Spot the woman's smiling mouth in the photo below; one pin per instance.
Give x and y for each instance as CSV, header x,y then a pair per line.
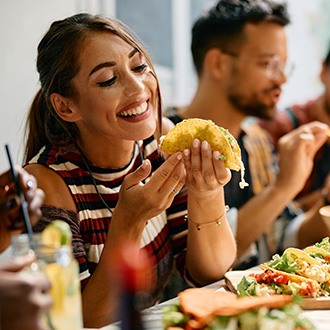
x,y
135,111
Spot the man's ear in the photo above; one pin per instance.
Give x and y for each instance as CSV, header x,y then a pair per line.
x,y
214,63
324,73
64,108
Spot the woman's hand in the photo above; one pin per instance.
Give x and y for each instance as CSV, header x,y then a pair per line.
x,y
140,202
205,172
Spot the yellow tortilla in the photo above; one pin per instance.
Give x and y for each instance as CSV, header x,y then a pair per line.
x,y
313,250
181,136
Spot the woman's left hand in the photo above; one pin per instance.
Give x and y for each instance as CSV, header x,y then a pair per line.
x,y
205,171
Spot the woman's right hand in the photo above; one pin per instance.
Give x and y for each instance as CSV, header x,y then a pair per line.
x,y
140,202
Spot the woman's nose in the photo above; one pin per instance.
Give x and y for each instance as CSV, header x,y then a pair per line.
x,y
134,85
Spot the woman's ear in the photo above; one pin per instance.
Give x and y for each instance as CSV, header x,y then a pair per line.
x,y
64,108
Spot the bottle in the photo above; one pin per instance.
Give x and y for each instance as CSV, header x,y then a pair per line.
x,y
133,285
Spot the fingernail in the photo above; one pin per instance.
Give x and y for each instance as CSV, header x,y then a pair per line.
x,y
179,157
29,184
186,152
195,143
144,164
11,203
205,145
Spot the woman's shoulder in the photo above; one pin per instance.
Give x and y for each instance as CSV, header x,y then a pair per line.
x,y
56,190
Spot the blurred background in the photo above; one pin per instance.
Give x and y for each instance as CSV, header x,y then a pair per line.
x,y
164,27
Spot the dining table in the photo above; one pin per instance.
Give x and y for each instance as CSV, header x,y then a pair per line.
x,y
152,317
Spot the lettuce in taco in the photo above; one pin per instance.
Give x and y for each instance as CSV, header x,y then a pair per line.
x,y
273,281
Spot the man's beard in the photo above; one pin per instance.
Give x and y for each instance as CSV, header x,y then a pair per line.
x,y
252,107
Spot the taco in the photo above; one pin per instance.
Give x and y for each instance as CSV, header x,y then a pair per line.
x,y
319,254
273,281
299,262
205,308
324,244
181,137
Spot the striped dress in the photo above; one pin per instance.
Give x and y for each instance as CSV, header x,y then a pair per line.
x,y
164,236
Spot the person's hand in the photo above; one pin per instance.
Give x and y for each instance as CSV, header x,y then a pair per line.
x,y
24,298
140,202
205,172
296,153
11,221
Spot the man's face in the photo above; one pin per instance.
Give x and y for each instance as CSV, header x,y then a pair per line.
x,y
257,70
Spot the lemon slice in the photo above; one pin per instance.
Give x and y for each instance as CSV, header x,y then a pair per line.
x,y
56,234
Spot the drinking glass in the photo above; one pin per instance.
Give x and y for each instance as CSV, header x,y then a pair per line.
x,y
62,271
325,214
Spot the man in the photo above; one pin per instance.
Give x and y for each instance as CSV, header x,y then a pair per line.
x,y
24,298
300,114
239,51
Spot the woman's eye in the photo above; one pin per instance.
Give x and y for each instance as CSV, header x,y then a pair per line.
x,y
140,68
107,82
265,63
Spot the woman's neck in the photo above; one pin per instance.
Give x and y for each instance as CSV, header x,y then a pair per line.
x,y
108,154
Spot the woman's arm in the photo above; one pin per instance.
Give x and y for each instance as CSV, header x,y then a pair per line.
x,y
211,248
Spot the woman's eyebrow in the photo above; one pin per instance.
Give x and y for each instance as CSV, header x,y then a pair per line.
x,y
132,53
102,65
112,63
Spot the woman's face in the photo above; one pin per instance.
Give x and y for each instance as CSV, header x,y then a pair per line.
x,y
116,90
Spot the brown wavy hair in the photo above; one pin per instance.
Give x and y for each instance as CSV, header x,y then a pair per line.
x,y
57,65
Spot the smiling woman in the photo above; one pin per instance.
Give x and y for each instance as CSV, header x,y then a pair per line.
x,y
92,145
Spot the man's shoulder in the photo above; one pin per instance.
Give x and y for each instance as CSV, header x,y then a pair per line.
x,y
251,127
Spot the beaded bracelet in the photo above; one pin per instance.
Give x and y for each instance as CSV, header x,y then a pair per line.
x,y
198,226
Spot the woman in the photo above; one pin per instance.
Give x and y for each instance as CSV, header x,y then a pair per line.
x,y
92,148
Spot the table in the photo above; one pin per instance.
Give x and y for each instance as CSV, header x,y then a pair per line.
x,y
153,315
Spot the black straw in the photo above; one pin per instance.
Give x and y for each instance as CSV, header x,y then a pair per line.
x,y
24,210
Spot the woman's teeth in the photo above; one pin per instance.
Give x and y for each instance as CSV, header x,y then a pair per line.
x,y
135,111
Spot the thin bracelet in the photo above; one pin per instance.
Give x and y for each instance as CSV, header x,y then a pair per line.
x,y
198,226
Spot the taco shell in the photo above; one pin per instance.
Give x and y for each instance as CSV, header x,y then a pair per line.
x,y
181,137
316,251
302,255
